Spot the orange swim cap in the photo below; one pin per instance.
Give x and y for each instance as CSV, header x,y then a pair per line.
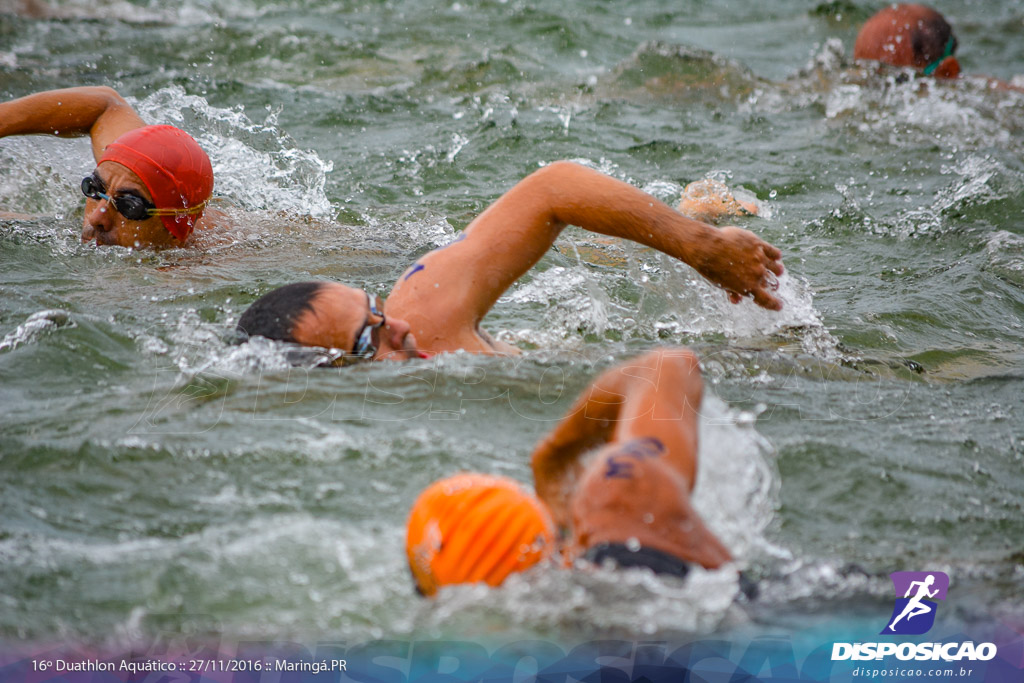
x,y
475,527
173,167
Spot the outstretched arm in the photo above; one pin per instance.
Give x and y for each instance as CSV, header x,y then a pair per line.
x,y
653,397
463,280
95,111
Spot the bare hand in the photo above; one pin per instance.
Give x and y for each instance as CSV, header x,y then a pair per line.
x,y
742,264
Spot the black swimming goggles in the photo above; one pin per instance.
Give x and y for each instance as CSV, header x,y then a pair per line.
x,y
131,206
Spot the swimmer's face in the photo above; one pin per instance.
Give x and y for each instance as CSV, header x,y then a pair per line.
x,y
339,316
106,226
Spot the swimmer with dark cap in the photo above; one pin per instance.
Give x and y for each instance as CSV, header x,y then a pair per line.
x,y
151,184
613,483
438,303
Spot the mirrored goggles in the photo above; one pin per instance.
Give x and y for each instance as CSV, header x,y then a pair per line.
x,y
365,345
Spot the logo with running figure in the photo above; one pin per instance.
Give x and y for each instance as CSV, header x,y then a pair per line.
x,y
914,612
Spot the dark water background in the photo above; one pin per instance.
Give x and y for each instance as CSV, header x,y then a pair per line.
x,y
151,472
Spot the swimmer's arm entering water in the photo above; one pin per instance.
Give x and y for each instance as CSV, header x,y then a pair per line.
x,y
97,111
653,398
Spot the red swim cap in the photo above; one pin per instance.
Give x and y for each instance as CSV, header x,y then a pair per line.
x,y
905,35
173,167
475,527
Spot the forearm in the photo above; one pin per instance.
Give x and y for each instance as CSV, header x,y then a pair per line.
x,y
654,396
662,407
588,424
660,385
566,193
598,203
507,239
96,111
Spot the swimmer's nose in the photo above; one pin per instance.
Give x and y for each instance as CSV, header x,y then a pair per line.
x,y
392,337
101,217
396,330
949,68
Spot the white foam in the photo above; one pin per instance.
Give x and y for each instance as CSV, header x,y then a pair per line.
x,y
34,327
255,164
737,484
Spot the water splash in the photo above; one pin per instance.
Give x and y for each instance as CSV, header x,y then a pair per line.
x,y
36,326
589,602
736,494
737,485
255,164
574,303
190,13
1005,253
678,72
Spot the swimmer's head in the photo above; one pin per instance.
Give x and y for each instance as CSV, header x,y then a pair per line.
x,y
329,315
910,35
472,528
711,200
173,167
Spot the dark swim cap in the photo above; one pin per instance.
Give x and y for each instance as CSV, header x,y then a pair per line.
x,y
173,167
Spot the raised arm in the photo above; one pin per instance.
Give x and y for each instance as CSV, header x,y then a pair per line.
x,y
652,399
462,281
95,111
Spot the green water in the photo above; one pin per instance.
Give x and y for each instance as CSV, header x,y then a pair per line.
x,y
152,475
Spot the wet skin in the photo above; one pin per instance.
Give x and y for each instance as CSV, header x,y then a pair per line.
x,y
338,315
106,226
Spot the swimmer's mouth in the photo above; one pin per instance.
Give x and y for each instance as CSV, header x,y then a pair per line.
x,y
103,239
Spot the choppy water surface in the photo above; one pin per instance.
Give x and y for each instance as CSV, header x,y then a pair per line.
x,y
152,472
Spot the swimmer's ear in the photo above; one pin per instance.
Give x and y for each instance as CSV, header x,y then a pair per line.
x,y
948,68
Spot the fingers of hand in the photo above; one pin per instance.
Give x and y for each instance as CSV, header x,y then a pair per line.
x,y
772,252
765,300
773,258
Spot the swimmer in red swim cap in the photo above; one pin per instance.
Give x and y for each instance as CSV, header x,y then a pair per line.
x,y
910,35
915,36
151,184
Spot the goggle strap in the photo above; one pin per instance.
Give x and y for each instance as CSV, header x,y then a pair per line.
x,y
180,212
948,52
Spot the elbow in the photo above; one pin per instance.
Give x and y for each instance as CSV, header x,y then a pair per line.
x,y
557,172
111,96
562,166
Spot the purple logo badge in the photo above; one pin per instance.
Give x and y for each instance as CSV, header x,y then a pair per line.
x,y
916,593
